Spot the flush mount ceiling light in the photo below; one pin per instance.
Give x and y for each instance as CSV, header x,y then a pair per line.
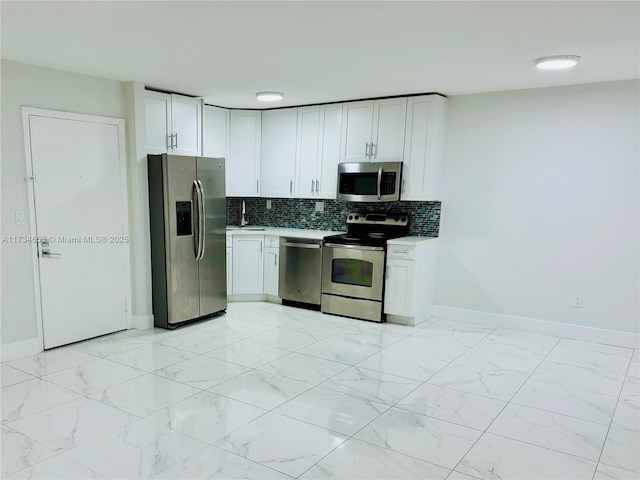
x,y
269,96
557,62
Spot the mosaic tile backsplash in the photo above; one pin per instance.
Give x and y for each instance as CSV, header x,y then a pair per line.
x,y
300,213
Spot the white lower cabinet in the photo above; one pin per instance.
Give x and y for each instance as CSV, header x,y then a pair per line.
x,y
410,281
398,297
271,265
248,264
229,270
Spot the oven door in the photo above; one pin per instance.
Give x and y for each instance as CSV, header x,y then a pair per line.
x,y
353,271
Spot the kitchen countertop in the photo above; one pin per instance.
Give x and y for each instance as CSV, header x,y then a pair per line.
x,y
282,232
411,241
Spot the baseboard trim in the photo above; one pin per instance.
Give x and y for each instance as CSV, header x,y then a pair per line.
x,y
533,325
257,297
141,322
11,351
400,319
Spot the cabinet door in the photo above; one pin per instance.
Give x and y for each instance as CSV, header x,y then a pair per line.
x,y
424,141
215,129
229,271
389,117
157,108
356,131
215,135
271,271
186,121
308,148
248,264
329,155
398,296
243,164
277,171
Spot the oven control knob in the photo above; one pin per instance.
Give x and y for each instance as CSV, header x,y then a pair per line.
x,y
404,219
357,217
395,219
350,217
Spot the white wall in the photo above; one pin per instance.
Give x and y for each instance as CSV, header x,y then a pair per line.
x,y
35,86
540,202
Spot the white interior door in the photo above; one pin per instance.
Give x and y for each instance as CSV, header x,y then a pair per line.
x,y
78,199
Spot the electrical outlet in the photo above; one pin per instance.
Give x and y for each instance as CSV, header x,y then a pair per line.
x,y
319,206
19,217
268,204
577,301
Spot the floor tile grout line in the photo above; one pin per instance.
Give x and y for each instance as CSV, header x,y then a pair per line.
x,y
504,407
382,413
606,437
348,366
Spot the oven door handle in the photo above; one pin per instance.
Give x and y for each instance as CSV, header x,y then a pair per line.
x,y
354,247
300,245
379,183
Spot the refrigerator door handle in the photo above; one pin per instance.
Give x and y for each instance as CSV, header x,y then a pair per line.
x,y
202,219
196,201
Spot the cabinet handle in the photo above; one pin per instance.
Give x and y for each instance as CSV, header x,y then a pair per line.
x,y
403,185
169,142
257,186
311,187
387,273
290,187
260,246
275,258
176,145
317,185
374,153
366,150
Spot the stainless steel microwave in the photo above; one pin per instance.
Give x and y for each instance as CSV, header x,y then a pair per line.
x,y
369,181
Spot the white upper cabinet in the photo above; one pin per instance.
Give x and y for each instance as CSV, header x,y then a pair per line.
x,y
357,119
423,148
215,135
243,163
277,172
158,122
215,129
319,130
387,136
173,123
186,119
373,130
307,154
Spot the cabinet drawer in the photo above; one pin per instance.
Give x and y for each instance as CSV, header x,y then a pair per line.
x,y
401,252
272,242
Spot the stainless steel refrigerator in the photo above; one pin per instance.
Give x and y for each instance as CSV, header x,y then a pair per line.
x,y
187,207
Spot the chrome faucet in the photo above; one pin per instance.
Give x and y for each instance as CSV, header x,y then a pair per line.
x,y
243,222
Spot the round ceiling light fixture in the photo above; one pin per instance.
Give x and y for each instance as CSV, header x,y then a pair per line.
x,y
557,62
269,96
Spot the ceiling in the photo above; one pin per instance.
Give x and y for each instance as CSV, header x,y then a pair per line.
x,y
328,50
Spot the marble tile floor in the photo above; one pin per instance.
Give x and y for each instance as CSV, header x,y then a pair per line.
x,y
273,392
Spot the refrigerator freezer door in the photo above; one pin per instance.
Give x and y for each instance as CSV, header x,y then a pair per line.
x,y
181,241
213,264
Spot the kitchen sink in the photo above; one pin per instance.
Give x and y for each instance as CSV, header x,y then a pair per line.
x,y
248,227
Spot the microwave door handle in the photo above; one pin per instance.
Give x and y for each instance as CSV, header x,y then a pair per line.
x,y
379,183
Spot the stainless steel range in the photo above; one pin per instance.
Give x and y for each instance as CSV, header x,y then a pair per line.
x,y
353,264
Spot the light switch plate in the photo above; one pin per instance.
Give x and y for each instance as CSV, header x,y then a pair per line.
x,y
319,206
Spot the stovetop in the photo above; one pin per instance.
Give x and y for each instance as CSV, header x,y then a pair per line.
x,y
372,229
